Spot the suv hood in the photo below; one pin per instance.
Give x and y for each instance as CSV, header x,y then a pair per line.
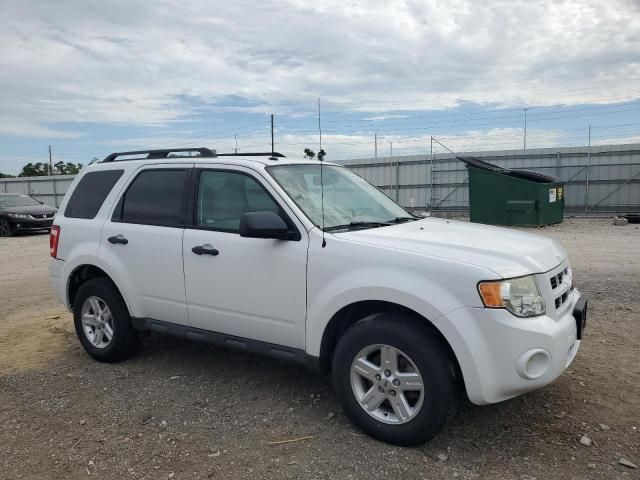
x,y
30,209
507,252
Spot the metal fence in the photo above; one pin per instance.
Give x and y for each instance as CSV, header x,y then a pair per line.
x,y
598,179
49,190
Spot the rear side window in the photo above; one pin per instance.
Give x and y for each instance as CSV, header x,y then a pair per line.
x,y
89,194
155,197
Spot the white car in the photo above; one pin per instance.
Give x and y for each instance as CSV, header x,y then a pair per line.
x,y
308,262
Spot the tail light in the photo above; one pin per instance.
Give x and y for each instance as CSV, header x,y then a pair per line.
x,y
54,238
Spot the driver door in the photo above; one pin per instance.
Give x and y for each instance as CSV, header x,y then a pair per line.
x,y
247,287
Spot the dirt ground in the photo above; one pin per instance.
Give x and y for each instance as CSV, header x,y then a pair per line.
x,y
184,411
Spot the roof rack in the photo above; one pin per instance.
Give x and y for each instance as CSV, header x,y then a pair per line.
x,y
167,153
163,153
252,154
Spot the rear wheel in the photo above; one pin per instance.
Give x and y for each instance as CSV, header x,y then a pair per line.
x,y
102,322
6,229
394,379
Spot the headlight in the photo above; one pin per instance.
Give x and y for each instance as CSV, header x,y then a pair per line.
x,y
18,215
518,295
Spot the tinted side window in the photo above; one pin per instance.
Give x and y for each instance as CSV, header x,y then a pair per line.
x,y
155,197
224,196
90,192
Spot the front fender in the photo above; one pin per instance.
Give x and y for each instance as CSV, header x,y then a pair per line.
x,y
346,272
331,299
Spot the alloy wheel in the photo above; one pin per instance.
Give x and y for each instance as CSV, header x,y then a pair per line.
x,y
387,384
97,322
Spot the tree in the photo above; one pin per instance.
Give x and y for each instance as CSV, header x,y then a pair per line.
x,y
321,154
68,168
4,175
38,169
308,153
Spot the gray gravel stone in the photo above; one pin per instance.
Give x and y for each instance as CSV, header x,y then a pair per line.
x,y
627,463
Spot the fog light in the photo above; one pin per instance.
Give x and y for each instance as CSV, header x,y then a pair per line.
x,y
533,363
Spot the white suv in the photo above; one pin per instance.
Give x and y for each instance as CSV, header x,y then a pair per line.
x,y
308,262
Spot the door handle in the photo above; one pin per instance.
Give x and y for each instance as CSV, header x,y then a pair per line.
x,y
205,249
118,239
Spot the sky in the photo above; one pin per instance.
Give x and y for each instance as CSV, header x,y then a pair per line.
x,y
90,78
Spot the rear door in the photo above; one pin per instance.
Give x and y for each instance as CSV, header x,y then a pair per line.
x,y
142,242
249,287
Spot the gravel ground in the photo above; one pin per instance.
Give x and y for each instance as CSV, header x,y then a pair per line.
x,y
180,410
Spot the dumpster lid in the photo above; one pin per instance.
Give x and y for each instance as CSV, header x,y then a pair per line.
x,y
518,173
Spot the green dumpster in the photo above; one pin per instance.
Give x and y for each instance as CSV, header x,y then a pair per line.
x,y
500,196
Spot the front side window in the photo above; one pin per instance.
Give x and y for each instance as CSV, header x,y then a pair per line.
x,y
350,202
155,197
224,196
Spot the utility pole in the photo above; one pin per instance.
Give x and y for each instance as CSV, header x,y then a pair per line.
x,y
391,149
50,162
272,144
319,124
235,137
525,128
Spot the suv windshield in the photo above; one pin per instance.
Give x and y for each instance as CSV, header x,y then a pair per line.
x,y
17,201
350,202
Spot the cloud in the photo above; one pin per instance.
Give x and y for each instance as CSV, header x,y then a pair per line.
x,y
25,128
146,63
380,118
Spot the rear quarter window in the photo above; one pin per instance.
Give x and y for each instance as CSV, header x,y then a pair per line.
x,y
89,194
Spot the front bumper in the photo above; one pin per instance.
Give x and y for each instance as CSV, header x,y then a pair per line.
x,y
31,223
502,356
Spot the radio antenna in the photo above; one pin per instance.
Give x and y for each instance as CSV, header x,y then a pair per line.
x,y
321,158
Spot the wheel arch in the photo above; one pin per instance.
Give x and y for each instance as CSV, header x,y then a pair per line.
x,y
83,273
352,313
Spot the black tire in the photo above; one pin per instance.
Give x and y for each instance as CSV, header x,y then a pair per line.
x,y
432,360
125,341
6,229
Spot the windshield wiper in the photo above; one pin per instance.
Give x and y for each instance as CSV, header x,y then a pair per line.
x,y
347,226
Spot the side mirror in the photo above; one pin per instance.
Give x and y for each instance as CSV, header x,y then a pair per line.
x,y
264,225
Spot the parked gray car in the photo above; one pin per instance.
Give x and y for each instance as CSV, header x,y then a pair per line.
x,y
20,212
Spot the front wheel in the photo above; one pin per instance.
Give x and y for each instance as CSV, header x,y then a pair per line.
x,y
6,229
394,379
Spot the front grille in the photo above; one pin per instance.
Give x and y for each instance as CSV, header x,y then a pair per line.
x,y
44,215
556,280
561,299
561,287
